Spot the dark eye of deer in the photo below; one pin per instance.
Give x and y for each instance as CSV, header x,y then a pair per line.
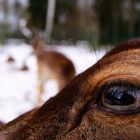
x,y
121,98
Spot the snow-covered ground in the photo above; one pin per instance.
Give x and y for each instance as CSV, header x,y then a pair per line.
x,y
18,88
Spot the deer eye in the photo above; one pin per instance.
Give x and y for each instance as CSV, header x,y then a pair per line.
x,y
121,98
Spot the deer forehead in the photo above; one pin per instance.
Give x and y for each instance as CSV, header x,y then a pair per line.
x,y
120,65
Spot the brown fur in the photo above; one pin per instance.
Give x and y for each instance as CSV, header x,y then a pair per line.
x,y
74,115
1,123
52,65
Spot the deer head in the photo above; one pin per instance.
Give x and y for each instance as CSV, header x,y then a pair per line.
x,y
37,45
101,103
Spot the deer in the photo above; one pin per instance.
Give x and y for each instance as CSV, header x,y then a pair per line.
x,y
101,103
51,65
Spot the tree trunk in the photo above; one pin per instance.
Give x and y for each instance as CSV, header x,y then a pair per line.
x,y
49,20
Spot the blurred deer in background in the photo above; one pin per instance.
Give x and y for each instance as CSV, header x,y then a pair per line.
x,y
51,65
102,103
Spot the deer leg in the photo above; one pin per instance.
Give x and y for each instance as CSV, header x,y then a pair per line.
x,y
40,91
40,86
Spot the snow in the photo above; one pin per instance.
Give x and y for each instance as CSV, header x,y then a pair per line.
x,y
18,88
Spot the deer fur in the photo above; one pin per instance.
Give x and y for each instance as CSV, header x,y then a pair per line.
x,y
52,65
1,123
73,114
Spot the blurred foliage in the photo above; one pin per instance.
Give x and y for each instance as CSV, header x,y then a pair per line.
x,y
63,14
64,24
108,13
3,32
116,20
37,14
